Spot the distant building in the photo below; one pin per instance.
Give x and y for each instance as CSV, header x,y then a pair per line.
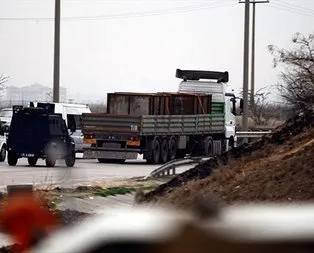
x,y
25,94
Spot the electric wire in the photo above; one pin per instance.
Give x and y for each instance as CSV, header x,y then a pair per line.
x,y
166,11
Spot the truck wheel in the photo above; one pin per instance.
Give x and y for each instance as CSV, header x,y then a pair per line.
x,y
172,149
3,153
50,162
70,160
32,161
164,152
103,160
12,159
155,147
209,147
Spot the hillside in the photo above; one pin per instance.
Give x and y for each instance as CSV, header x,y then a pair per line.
x,y
279,167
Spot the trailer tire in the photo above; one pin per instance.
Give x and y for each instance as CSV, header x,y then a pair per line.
x,y
172,149
164,151
155,151
103,160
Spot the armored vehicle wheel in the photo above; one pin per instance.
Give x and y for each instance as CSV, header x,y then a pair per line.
x,y
50,162
70,160
32,161
3,153
12,159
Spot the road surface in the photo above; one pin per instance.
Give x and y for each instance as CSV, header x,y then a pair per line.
x,y
84,171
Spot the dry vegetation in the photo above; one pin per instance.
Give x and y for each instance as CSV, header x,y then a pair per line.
x,y
276,174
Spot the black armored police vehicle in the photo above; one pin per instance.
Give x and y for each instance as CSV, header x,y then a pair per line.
x,y
38,132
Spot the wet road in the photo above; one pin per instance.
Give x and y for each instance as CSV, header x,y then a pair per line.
x,y
83,171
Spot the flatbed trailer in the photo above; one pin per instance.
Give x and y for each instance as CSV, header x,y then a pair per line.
x,y
164,126
159,138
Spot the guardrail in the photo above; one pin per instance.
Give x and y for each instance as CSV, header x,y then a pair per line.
x,y
252,134
169,168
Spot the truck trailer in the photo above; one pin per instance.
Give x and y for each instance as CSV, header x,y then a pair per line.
x,y
198,120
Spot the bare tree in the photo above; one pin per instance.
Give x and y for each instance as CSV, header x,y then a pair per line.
x,y
297,75
260,106
3,80
49,96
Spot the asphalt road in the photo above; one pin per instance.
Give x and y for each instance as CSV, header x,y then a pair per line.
x,y
83,171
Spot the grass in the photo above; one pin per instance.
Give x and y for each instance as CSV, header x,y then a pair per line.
x,y
113,191
122,190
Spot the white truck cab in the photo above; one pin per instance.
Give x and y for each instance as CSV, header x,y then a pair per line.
x,y
71,113
221,92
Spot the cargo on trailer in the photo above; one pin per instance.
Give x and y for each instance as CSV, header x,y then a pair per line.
x,y
198,120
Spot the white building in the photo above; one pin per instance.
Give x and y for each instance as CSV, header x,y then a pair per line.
x,y
35,92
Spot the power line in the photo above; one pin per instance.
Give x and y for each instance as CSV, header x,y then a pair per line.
x,y
173,10
289,9
297,6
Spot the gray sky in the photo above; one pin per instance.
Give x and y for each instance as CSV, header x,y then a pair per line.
x,y
137,45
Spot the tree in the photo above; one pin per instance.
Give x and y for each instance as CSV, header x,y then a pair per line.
x,y
258,109
3,80
49,96
296,84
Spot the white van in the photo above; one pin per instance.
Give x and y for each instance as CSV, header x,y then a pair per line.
x,y
71,113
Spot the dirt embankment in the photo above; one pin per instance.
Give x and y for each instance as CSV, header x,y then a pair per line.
x,y
277,167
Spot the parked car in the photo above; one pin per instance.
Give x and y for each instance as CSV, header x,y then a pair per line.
x,y
6,117
3,144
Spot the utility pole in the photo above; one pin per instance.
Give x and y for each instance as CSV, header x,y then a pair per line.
x,y
253,59
252,93
246,67
56,65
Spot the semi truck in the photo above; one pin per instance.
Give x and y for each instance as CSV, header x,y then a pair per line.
x,y
197,120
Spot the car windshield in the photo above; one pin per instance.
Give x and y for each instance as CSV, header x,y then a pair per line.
x,y
6,113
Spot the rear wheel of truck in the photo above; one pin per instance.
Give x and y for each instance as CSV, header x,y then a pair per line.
x,y
12,159
102,160
155,151
32,161
105,160
70,159
209,147
172,149
164,151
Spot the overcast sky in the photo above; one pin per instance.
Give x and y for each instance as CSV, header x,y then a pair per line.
x,y
137,45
